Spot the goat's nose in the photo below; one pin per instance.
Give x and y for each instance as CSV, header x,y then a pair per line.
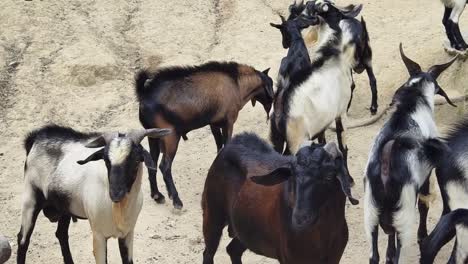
x,y
117,195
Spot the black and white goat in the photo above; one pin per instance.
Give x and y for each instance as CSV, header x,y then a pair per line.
x,y
320,94
400,162
453,11
292,69
59,181
452,175
354,33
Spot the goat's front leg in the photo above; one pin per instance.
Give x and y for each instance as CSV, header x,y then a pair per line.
x,y
342,145
455,29
99,248
353,86
126,248
228,130
374,257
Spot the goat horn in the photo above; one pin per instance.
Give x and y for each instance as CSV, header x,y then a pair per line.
x,y
102,140
436,70
138,135
282,19
413,67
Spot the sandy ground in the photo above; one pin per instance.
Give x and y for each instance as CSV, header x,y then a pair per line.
x,y
72,62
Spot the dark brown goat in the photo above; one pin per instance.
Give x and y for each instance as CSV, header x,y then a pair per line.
x,y
297,217
187,98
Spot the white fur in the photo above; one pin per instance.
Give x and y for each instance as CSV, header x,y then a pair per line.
x,y
458,198
371,215
119,149
322,98
457,8
404,220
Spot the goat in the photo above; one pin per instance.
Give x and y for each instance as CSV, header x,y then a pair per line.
x,y
290,208
400,162
320,93
453,11
187,98
355,34
292,68
453,181
63,186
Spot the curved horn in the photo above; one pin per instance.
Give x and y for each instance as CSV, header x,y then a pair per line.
x,y
413,67
138,135
102,140
436,70
282,19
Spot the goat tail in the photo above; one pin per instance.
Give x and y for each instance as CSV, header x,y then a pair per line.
x,y
140,80
365,33
442,234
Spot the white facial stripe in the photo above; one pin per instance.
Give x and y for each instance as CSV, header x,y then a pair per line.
x,y
119,149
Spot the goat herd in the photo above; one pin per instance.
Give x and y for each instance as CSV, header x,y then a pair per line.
x,y
285,202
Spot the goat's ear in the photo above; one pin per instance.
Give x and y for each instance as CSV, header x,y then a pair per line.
x,y
351,11
435,150
253,101
442,233
277,176
342,174
441,92
147,159
98,155
278,26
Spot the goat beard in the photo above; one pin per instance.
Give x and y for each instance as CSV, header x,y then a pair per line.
x,y
118,213
310,36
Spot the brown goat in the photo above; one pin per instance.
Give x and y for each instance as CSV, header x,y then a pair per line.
x,y
187,98
297,217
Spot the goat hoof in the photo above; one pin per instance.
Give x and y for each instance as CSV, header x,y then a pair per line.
x,y
373,110
159,198
177,203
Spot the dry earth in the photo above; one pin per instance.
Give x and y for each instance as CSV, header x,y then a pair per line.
x,y
72,62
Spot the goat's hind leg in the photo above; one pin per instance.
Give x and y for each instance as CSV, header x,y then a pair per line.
x,y
218,136
342,145
170,145
391,250
62,235
32,204
235,249
152,175
373,85
424,201
353,86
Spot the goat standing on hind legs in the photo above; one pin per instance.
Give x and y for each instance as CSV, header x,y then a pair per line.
x,y
453,11
187,98
403,155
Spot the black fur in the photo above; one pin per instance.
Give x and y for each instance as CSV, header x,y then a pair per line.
x,y
56,133
180,72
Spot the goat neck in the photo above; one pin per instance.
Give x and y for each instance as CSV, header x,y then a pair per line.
x,y
249,82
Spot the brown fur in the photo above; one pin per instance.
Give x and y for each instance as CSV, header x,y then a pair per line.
x,y
259,217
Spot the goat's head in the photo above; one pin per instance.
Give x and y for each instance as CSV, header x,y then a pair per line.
x,y
266,93
425,83
314,173
122,154
292,27
330,13
296,9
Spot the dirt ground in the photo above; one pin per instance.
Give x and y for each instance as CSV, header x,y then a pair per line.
x,y
72,62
